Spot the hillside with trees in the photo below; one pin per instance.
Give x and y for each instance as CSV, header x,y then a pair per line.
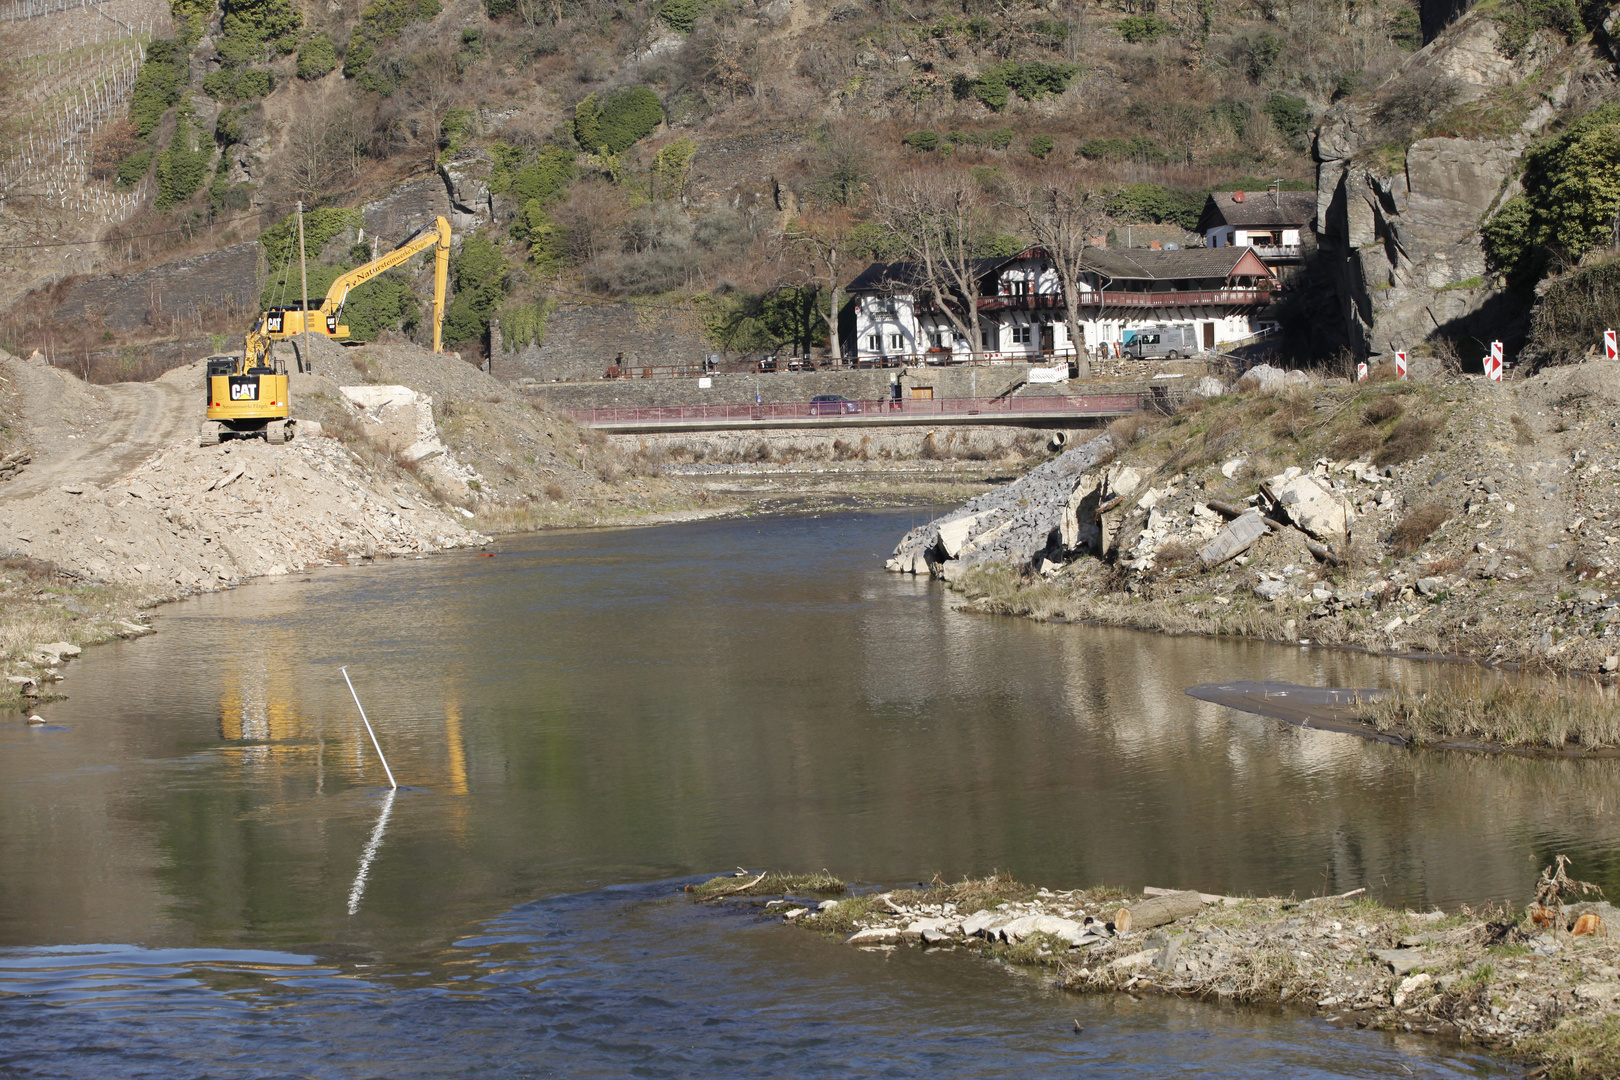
x,y
750,157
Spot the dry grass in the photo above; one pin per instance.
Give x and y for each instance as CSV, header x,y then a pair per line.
x,y
1519,713
772,884
1353,444
1411,437
1127,431
1414,530
1579,1049
1521,427
1380,410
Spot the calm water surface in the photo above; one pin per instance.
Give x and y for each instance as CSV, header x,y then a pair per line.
x,y
202,874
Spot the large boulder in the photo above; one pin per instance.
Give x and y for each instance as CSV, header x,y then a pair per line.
x,y
1310,506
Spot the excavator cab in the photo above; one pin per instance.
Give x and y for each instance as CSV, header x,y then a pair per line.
x,y
247,398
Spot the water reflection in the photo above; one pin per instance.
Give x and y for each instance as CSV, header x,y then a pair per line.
x,y
600,708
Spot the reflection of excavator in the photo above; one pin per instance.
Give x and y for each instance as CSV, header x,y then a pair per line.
x,y
247,396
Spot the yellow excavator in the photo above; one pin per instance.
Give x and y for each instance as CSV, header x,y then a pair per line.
x,y
247,394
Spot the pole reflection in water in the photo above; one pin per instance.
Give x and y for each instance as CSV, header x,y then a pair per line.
x,y
358,891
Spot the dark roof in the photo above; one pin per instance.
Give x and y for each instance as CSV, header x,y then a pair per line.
x,y
1263,208
880,277
1145,263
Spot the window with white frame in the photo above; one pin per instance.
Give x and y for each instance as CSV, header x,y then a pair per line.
x,y
896,342
1020,335
874,343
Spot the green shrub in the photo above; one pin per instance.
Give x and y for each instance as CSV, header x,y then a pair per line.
x,y
1571,196
1406,27
681,15
1291,116
1255,56
157,86
380,22
618,121
1142,29
255,30
926,141
1139,148
183,166
135,166
498,8
236,84
1519,20
1041,145
533,226
1051,33
191,16
996,85
544,179
320,225
1156,203
1000,138
523,322
317,57
454,129
479,271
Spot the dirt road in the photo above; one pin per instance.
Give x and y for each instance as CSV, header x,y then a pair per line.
x,y
78,433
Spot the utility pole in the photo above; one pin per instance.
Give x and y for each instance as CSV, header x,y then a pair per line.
x,y
303,289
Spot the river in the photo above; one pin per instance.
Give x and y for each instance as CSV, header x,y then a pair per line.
x,y
202,872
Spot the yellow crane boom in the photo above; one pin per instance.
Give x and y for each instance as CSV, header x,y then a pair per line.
x,y
283,323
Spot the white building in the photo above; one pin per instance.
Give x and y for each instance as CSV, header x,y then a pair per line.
x,y
1221,293
1274,223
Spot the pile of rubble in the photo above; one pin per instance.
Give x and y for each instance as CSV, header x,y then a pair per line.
x,y
195,517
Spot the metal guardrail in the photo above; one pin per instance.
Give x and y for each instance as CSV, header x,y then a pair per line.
x,y
873,409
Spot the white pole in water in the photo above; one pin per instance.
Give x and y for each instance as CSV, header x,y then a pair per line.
x,y
370,732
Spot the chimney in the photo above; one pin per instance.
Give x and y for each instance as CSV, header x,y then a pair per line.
x,y
1154,245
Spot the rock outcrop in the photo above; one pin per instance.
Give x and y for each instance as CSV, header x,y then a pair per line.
x,y
1399,218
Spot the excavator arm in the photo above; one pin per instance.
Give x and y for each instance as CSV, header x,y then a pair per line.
x,y
436,236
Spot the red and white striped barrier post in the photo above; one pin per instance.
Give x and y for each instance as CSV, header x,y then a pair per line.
x,y
1493,367
1610,352
1496,353
1400,363
1361,371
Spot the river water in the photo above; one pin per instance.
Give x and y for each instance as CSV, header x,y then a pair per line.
x,y
202,872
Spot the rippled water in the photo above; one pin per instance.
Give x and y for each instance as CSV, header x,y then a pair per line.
x,y
586,720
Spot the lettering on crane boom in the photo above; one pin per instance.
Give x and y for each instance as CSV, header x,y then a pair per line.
x,y
244,388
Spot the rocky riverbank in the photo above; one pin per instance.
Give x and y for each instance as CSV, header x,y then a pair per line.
x,y
1543,985
1453,517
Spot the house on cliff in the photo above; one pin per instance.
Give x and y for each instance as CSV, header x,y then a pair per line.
x,y
1276,224
1223,293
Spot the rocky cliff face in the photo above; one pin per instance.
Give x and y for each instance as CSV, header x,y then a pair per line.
x,y
1401,194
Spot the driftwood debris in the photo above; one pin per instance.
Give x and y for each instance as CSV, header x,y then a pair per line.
x,y
1157,910
733,892
1227,510
1322,553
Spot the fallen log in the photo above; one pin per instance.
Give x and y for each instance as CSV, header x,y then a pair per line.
x,y
1227,510
1323,553
1156,911
1109,505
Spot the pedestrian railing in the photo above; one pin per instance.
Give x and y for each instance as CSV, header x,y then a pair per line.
x,y
1076,405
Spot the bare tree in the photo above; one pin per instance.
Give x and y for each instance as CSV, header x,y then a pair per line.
x,y
936,220
323,151
824,237
1063,218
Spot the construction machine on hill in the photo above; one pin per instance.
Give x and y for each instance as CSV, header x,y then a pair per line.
x,y
247,394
